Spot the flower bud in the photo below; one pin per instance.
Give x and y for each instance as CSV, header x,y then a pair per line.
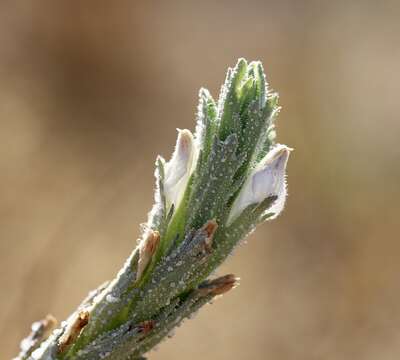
x,y
266,180
179,168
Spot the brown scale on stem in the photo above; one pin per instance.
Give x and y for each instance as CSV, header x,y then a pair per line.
x,y
148,247
146,326
210,227
73,330
218,286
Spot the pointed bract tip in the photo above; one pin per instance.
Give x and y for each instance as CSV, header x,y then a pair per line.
x,y
203,92
241,62
256,65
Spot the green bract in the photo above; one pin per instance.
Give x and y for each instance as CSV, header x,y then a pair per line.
x,y
219,184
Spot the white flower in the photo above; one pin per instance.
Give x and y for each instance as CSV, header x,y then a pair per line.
x,y
179,168
267,179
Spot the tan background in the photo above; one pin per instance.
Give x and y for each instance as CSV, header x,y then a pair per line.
x,y
92,91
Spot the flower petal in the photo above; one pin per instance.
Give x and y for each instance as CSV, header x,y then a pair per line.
x,y
179,168
267,179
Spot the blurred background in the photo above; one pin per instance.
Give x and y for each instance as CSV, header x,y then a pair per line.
x,y
92,91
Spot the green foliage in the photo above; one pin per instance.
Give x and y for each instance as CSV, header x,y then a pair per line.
x,y
222,182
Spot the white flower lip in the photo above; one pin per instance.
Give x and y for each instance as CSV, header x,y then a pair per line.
x,y
179,168
267,179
